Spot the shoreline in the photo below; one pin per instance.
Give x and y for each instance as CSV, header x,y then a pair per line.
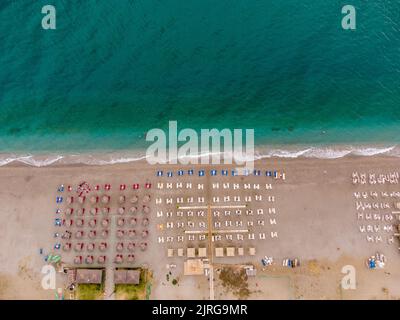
x,y
111,157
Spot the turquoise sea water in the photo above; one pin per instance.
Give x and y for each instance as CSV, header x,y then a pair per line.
x,y
115,69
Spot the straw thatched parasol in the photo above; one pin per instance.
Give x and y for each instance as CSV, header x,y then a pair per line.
x,y
78,260
145,233
143,246
119,258
90,246
89,259
146,198
131,246
132,233
93,211
81,199
80,211
69,211
120,222
104,234
120,234
92,234
121,210
134,199
80,222
145,222
146,209
105,223
103,246
105,199
105,210
78,247
92,223
121,199
133,210
131,258
70,200
101,259
120,246
79,234
68,222
67,247
94,199
133,222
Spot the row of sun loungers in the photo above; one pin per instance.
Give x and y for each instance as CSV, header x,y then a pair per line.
x,y
373,178
223,172
375,194
215,186
202,252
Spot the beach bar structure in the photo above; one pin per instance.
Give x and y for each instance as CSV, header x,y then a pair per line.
x,y
193,267
89,276
126,276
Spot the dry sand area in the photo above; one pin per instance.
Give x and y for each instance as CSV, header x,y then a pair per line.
x,y
317,222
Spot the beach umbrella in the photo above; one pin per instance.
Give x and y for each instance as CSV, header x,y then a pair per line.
x,y
78,260
145,233
120,234
83,187
103,246
93,211
92,234
120,246
94,199
120,222
78,247
143,246
146,209
131,246
105,199
68,222
105,223
69,211
79,234
101,259
133,210
80,222
105,210
70,200
80,211
121,199
81,199
89,259
90,246
146,198
133,221
104,234
145,222
131,258
131,234
67,247
119,258
134,199
92,223
121,210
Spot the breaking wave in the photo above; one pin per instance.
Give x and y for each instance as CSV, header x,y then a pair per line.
x,y
326,152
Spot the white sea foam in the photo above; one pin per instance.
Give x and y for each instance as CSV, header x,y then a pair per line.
x,y
108,158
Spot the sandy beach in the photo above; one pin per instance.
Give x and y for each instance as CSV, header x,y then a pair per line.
x,y
317,222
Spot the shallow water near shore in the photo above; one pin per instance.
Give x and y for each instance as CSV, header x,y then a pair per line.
x,y
110,73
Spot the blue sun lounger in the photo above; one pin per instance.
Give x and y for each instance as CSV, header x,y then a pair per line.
x,y
224,172
180,172
160,173
169,174
275,174
201,173
190,172
234,173
213,172
59,199
268,173
257,172
57,222
60,188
